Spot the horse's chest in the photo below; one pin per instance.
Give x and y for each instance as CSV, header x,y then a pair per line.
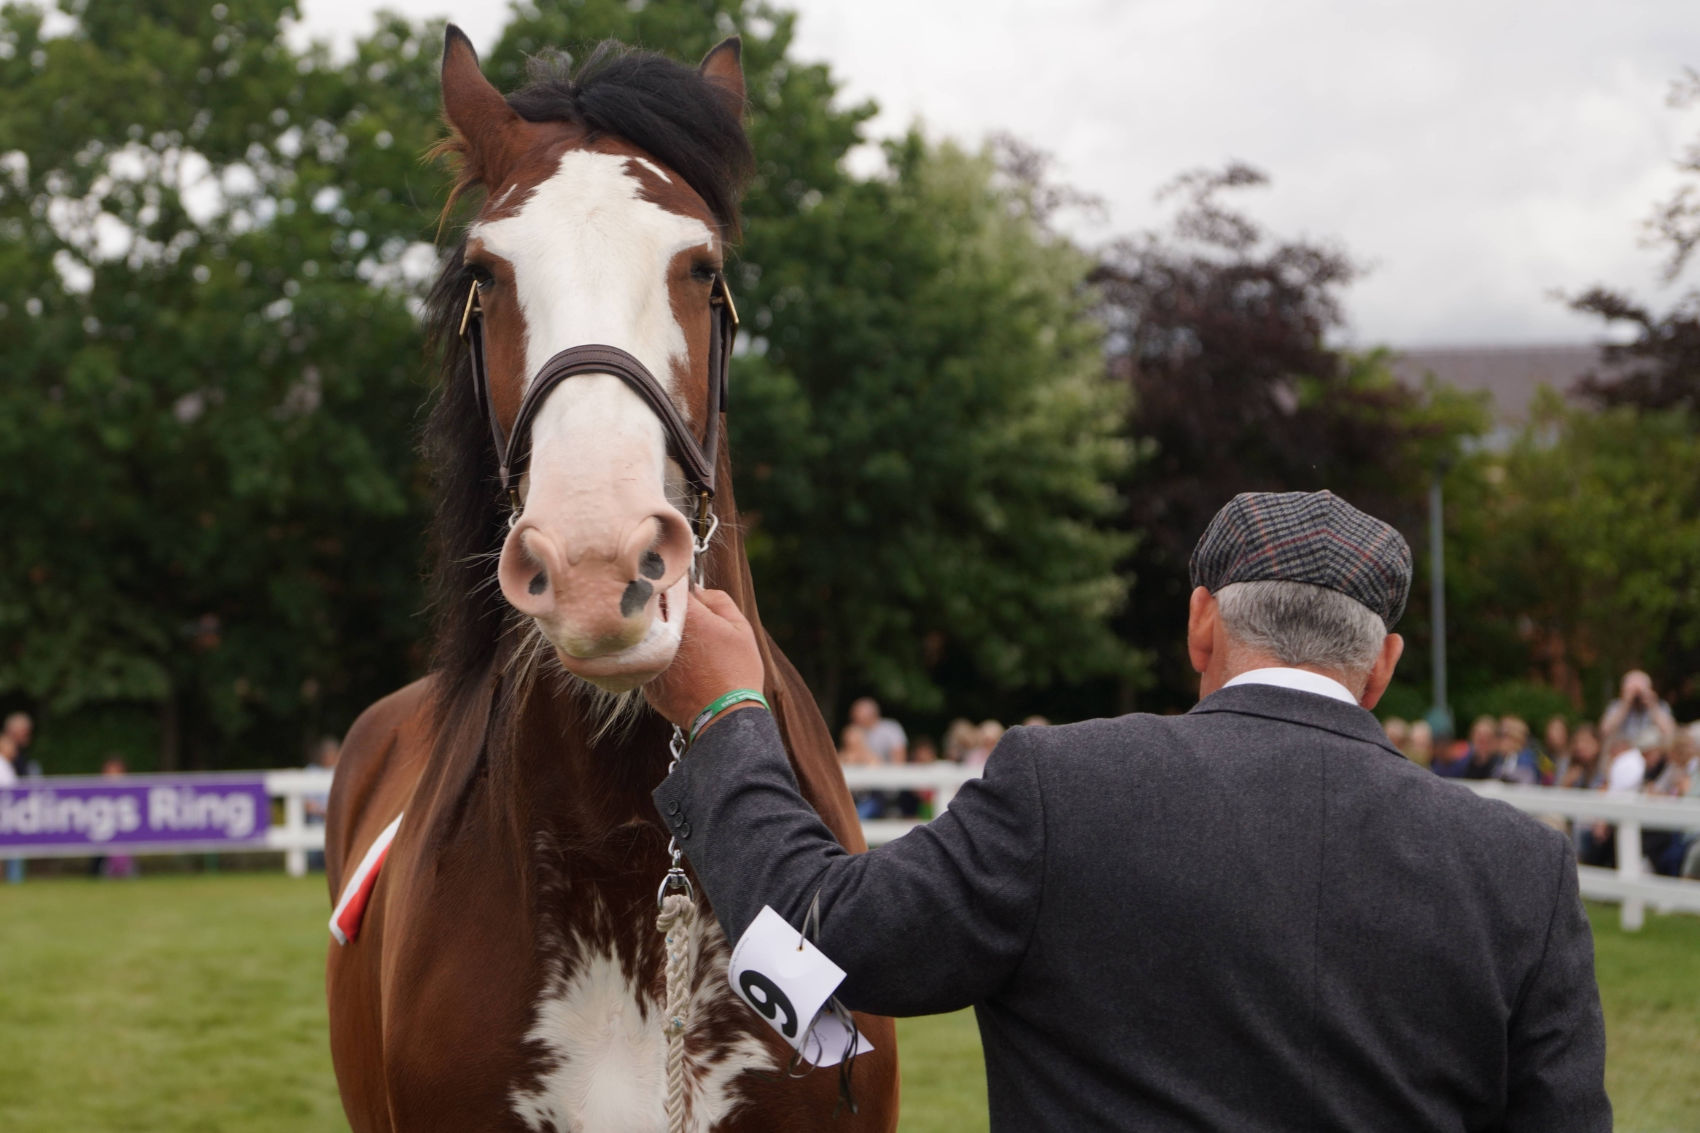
x,y
596,1043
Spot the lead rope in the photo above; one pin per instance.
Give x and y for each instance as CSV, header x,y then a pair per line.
x,y
677,925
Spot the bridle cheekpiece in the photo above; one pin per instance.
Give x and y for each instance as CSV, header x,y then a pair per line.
x,y
696,460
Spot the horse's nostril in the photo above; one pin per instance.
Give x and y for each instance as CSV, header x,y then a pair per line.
x,y
635,598
538,583
652,565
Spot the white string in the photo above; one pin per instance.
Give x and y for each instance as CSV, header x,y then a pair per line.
x,y
676,924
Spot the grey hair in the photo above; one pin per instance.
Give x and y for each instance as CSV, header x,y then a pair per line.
x,y
1301,624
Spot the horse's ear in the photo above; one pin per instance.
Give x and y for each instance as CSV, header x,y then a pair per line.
x,y
476,110
724,67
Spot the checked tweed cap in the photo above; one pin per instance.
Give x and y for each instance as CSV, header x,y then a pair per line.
x,y
1313,537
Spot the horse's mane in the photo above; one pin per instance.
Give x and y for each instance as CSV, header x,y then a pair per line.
x,y
685,121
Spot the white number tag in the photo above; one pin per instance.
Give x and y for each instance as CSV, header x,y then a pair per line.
x,y
787,980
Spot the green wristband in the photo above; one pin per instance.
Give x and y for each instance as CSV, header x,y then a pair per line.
x,y
721,704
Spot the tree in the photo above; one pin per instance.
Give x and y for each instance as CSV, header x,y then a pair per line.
x,y
212,366
1221,334
933,445
1659,368
1578,555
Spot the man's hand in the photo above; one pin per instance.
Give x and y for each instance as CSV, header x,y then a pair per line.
x,y
717,654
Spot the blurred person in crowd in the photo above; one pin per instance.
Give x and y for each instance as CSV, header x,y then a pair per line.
x,y
1397,730
1035,722
1451,759
21,729
1578,766
1637,710
959,739
853,749
1667,777
886,738
1419,744
1517,760
986,738
114,865
1481,757
326,751
918,804
9,778
1625,774
1130,967
1555,741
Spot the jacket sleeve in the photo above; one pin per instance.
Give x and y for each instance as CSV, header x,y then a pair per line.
x,y
935,921
1557,1048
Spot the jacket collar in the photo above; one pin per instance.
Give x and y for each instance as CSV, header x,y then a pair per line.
x,y
1274,703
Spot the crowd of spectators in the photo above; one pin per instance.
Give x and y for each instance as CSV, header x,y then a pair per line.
x,y
1637,747
871,740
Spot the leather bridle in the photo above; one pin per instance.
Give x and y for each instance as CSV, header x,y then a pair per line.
x,y
696,460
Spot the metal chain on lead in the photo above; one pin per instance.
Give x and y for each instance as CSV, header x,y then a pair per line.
x,y
699,547
677,925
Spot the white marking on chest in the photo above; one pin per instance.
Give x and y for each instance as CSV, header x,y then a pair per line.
x,y
607,1054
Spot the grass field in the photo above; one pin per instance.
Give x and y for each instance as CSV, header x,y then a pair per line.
x,y
192,1003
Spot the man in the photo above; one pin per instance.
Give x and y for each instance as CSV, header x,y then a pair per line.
x,y
885,737
887,742
21,730
1256,916
1637,710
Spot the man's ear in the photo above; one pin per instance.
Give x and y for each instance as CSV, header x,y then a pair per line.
x,y
475,109
724,67
1381,673
1201,628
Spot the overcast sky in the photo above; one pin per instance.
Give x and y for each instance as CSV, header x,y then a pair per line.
x,y
1476,155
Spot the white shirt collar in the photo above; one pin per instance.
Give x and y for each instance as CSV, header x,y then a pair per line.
x,y
1303,680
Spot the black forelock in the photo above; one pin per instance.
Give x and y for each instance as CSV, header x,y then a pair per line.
x,y
671,111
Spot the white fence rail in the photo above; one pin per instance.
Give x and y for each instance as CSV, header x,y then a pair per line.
x,y
295,837
1631,884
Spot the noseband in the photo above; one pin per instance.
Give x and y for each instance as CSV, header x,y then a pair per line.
x,y
694,459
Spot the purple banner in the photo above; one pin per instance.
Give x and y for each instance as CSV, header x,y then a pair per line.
x,y
157,812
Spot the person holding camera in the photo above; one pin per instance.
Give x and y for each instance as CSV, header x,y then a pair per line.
x,y
1637,710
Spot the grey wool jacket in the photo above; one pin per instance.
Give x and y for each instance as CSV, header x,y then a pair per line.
x,y
1254,917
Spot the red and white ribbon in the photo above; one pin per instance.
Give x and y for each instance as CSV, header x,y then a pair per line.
x,y
345,921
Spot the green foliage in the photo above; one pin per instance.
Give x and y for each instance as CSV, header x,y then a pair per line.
x,y
1576,552
1534,702
211,501
931,442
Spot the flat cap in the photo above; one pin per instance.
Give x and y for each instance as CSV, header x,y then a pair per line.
x,y
1313,537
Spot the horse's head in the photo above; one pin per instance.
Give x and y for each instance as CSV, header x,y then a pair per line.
x,y
608,200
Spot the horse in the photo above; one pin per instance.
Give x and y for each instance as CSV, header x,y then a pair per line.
x,y
491,844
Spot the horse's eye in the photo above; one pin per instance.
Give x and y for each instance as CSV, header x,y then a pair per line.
x,y
481,276
704,273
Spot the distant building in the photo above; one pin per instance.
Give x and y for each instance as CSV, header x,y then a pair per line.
x,y
1511,374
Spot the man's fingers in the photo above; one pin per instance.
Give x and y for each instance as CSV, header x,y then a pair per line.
x,y
720,603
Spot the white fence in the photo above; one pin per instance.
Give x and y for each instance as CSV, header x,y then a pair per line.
x,y
295,837
1631,884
